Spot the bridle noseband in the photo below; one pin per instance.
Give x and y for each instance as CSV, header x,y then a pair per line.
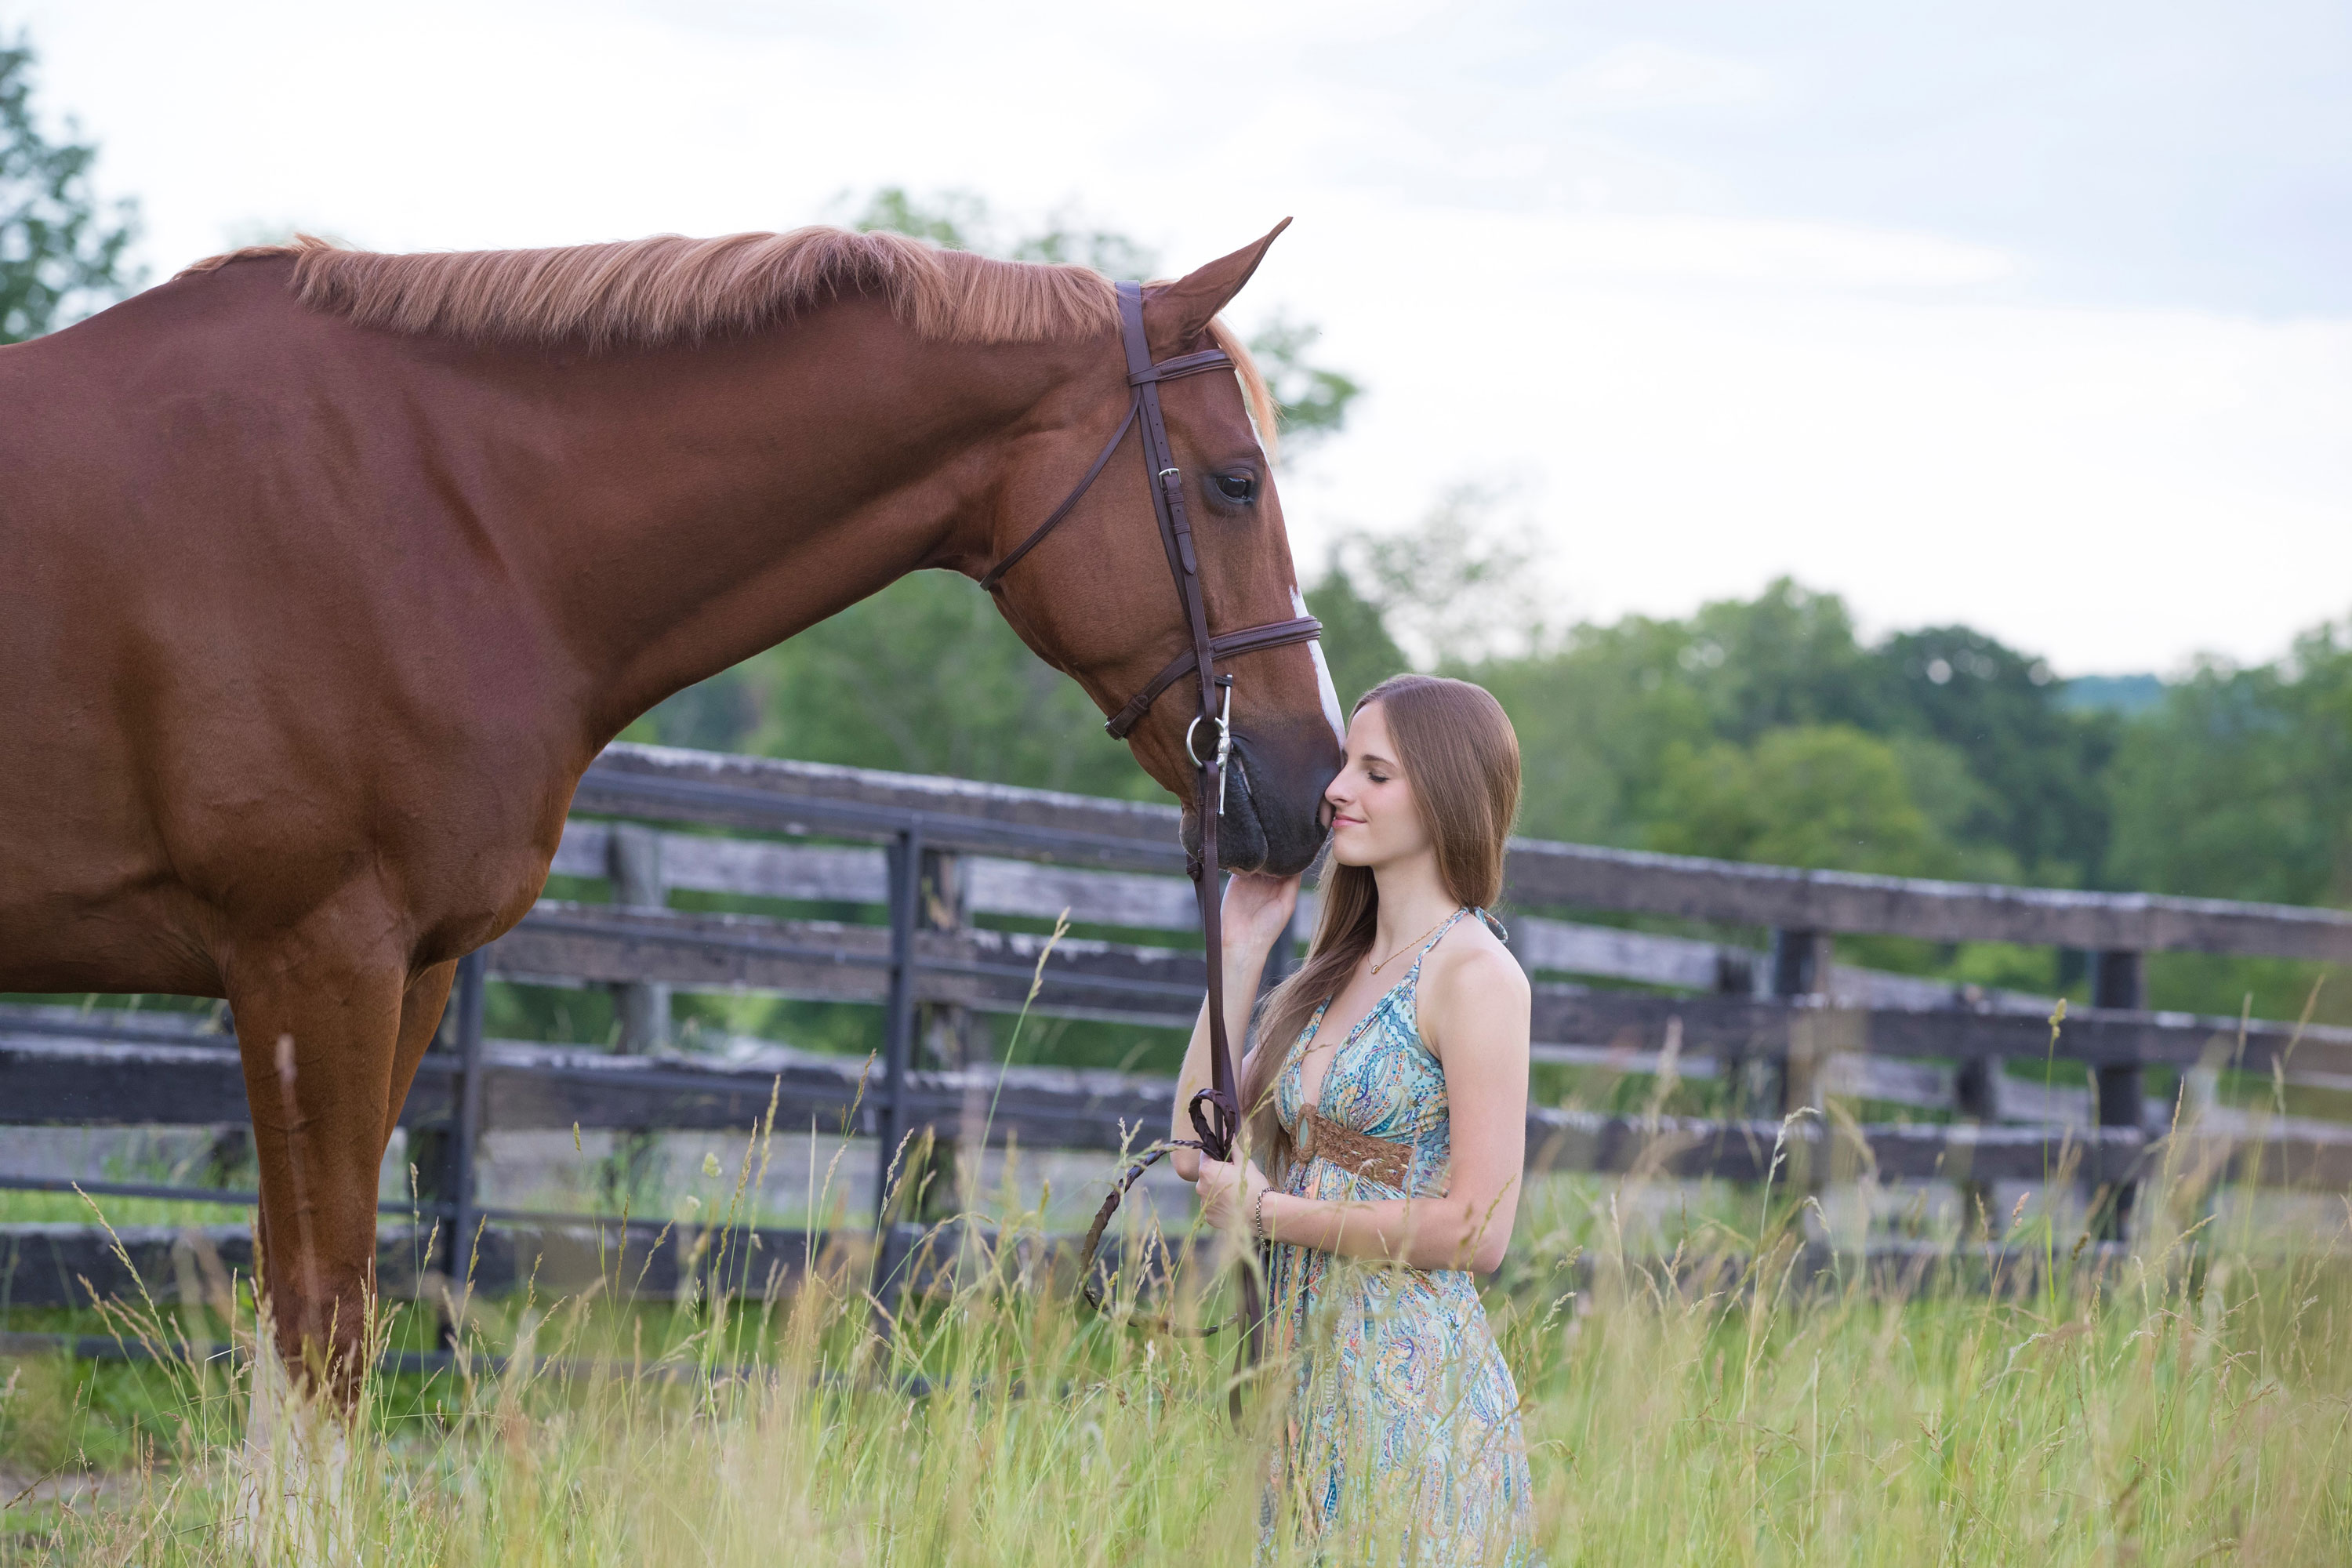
x,y
1215,1112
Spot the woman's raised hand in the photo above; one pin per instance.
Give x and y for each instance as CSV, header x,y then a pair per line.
x,y
1257,910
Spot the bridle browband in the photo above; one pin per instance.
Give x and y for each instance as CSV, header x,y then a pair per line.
x,y
1214,1111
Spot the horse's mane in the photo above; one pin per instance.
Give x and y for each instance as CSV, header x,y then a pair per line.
x,y
645,293
671,289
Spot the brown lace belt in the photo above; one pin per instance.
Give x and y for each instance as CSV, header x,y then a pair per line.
x,y
1382,1160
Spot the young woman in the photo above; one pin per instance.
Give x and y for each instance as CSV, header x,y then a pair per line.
x,y
1388,1092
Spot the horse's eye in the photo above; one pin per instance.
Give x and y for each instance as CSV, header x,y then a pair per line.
x,y
1237,487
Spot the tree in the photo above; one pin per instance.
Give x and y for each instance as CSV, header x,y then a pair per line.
x,y
1313,401
1458,587
2039,760
954,219
925,677
1598,712
1820,795
61,252
1787,657
2240,785
1356,641
963,220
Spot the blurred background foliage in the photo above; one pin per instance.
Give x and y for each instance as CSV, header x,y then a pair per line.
x,y
61,248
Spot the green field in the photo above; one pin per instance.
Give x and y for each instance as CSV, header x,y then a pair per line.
x,y
2187,1405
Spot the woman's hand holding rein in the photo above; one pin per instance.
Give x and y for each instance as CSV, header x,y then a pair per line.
x,y
1230,1195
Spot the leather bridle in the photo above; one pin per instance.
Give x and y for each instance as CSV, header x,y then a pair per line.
x,y
1215,1112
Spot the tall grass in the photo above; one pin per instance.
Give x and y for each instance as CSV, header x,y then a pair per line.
x,y
2184,1406
2190,1403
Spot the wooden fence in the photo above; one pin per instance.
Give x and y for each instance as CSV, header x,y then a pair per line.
x,y
926,861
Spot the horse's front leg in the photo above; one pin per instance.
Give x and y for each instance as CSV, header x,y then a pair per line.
x,y
318,1022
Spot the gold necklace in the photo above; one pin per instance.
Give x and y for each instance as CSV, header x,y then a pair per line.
x,y
1424,936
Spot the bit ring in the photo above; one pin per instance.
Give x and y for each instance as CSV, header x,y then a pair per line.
x,y
1194,728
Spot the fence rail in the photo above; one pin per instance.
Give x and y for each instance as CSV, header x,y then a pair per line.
x,y
929,857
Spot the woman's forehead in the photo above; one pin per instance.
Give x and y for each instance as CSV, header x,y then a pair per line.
x,y
1368,734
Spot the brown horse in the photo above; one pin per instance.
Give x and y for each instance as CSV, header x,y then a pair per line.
x,y
329,572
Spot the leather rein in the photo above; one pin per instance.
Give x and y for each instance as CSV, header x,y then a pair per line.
x,y
1215,1112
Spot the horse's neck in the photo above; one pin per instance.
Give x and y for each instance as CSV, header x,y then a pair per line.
x,y
719,501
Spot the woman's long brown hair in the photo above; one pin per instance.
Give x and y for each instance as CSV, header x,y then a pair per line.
x,y
1457,747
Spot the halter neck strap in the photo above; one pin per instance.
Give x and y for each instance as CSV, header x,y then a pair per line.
x,y
1439,934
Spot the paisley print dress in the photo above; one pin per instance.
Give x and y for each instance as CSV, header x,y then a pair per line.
x,y
1403,1442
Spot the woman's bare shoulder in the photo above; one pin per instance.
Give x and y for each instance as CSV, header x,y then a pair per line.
x,y
1472,979
1472,952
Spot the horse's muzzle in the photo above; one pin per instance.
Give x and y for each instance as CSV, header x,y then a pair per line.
x,y
1273,820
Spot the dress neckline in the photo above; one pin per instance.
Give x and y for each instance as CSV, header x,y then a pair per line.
x,y
1379,1005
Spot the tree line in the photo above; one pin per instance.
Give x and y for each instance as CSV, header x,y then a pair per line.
x,y
1762,729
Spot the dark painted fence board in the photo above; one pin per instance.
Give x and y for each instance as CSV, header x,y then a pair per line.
x,y
61,1265
50,1078
539,1086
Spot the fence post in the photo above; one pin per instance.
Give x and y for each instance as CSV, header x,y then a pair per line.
x,y
2119,980
952,1036
905,861
947,1030
1800,967
457,1168
1976,1096
1977,1087
1735,971
633,862
1736,974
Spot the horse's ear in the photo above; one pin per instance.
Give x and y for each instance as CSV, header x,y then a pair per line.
x,y
1176,314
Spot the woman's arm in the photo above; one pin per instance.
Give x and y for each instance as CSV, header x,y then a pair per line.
x,y
1474,1013
1254,915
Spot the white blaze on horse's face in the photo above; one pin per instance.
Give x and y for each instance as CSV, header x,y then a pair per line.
x,y
1330,693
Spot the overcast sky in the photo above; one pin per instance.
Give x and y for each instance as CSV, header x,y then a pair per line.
x,y
2035,317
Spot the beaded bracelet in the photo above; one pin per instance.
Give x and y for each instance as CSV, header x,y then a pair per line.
x,y
1257,1216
